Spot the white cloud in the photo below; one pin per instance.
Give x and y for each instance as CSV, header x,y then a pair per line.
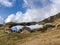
x,y
47,5
29,16
36,13
7,3
36,3
10,18
1,20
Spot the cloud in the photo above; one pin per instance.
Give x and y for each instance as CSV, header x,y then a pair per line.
x,y
37,10
42,8
29,16
10,18
18,18
7,3
36,3
1,20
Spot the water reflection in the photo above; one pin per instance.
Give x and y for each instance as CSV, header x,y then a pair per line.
x,y
18,27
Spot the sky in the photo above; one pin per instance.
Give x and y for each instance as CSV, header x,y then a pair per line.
x,y
8,7
27,10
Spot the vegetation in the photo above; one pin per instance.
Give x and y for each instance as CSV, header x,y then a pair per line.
x,y
50,36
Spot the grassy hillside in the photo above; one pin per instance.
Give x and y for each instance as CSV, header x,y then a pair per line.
x,y
50,37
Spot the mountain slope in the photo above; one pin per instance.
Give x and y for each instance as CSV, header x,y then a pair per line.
x,y
50,37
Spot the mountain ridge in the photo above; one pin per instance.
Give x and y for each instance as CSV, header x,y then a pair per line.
x,y
51,36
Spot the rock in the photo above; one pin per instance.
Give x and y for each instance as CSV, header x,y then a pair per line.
x,y
58,25
47,25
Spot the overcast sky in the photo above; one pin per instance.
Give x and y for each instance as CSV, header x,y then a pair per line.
x,y
27,10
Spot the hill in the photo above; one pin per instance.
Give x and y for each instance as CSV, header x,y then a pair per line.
x,y
50,37
47,20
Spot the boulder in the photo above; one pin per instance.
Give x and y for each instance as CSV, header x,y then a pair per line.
x,y
47,25
58,25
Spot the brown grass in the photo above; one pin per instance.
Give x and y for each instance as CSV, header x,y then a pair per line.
x,y
50,37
